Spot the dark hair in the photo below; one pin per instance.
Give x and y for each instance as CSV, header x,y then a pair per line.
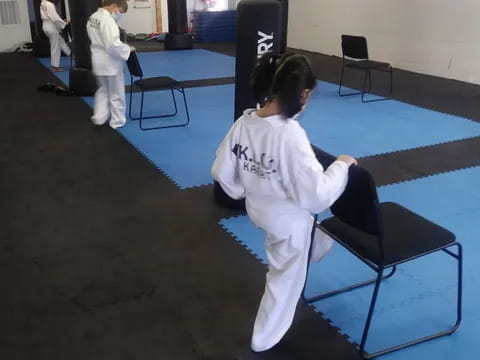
x,y
120,3
285,77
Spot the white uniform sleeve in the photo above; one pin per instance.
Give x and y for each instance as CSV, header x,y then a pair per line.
x,y
110,35
52,15
310,186
225,168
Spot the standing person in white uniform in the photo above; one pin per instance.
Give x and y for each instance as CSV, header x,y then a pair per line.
x,y
267,159
52,26
108,56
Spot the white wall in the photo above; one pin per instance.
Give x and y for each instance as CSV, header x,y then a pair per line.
x,y
140,20
436,37
164,16
13,35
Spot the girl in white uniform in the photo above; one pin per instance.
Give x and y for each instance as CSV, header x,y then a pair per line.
x,y
52,26
108,56
267,159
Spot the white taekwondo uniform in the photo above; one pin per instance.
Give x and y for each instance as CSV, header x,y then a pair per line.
x,y
270,162
108,56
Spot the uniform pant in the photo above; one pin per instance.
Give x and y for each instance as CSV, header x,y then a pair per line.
x,y
288,259
110,101
57,45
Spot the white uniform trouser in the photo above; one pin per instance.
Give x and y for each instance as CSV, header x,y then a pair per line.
x,y
57,44
286,275
110,101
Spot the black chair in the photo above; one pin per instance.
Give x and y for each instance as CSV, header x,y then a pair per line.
x,y
355,56
149,84
384,235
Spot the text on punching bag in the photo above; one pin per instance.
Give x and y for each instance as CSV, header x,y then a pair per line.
x,y
264,43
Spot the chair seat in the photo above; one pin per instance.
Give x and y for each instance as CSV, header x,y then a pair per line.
x,y
157,83
368,65
407,235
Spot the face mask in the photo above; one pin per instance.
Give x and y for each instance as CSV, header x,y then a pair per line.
x,y
116,16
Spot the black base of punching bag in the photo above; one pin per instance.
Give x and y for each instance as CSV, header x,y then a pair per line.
x,y
222,199
41,46
178,41
82,82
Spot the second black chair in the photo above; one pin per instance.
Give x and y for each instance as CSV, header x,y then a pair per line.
x,y
355,56
150,84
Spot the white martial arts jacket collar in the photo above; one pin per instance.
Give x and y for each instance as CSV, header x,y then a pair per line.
x,y
274,120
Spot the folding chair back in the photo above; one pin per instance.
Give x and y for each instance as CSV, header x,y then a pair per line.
x,y
354,47
323,157
134,65
358,205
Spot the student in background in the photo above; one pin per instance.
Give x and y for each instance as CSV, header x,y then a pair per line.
x,y
108,56
52,27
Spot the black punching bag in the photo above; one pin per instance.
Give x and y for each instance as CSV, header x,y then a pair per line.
x,y
283,43
261,28
177,37
82,80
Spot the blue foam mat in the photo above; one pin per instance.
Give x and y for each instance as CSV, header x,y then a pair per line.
x,y
181,65
335,124
346,125
420,298
184,154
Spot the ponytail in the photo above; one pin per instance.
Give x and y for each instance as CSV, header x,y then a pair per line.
x,y
285,77
289,90
261,79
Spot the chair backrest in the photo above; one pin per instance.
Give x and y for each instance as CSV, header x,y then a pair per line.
x,y
354,47
358,205
134,65
323,157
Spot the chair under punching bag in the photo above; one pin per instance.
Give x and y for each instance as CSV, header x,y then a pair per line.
x,y
261,28
82,80
178,37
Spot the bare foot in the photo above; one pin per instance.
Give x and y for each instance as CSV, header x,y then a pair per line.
x,y
57,69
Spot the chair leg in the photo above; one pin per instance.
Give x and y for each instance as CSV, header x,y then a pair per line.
x,y
174,102
365,78
381,99
451,330
312,237
459,258
131,96
459,286
141,109
391,83
369,81
142,118
186,106
347,288
181,90
370,312
339,291
341,84
341,80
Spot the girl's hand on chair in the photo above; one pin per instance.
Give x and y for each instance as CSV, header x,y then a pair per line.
x,y
348,160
